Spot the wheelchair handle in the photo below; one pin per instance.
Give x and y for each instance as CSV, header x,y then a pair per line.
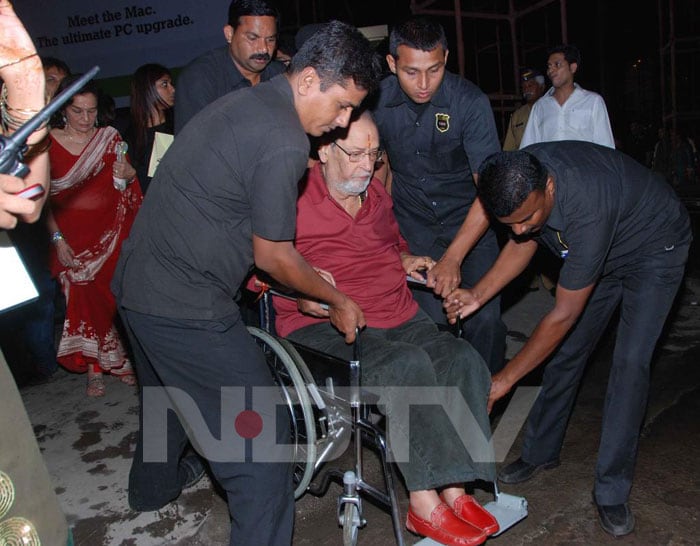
x,y
356,352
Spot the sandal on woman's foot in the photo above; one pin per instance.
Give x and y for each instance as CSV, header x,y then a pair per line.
x,y
129,379
95,386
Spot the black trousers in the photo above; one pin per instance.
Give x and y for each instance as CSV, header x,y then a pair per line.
x,y
212,375
644,291
484,330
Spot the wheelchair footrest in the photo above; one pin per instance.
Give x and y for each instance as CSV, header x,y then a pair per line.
x,y
508,510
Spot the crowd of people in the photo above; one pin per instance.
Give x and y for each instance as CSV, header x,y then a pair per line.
x,y
152,254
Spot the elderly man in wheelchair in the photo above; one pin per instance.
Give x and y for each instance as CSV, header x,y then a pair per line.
x,y
347,230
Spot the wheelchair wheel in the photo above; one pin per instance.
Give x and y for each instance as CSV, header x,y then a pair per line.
x,y
301,415
351,524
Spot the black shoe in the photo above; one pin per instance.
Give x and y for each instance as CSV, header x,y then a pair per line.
x,y
616,519
191,470
520,471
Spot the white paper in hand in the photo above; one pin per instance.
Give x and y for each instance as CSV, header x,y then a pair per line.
x,y
16,285
161,143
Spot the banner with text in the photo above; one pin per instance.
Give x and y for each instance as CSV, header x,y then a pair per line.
x,y
120,36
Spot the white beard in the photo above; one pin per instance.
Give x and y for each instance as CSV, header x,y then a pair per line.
x,y
353,187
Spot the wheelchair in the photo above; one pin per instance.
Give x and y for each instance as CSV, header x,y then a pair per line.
x,y
329,413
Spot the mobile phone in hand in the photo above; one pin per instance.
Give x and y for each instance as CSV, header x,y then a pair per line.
x,y
35,191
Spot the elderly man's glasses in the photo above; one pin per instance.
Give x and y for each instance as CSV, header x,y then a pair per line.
x,y
356,157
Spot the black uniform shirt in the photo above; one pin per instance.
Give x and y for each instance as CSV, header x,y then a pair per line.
x,y
609,211
209,77
433,153
233,171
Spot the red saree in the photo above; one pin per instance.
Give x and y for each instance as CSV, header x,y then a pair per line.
x,y
94,218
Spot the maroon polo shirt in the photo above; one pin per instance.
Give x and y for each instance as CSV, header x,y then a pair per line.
x,y
363,254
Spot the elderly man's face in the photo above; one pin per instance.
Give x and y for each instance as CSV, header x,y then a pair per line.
x,y
532,90
343,175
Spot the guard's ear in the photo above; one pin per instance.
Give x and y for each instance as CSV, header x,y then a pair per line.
x,y
228,33
391,62
549,185
305,80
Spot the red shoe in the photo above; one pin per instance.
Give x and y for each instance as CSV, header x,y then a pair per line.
x,y
445,527
468,509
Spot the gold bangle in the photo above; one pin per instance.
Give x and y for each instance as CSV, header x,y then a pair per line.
x,y
30,112
17,61
10,121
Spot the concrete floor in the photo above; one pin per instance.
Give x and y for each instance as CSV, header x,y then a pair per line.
x,y
87,444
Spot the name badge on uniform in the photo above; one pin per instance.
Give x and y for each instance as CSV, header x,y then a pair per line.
x,y
442,122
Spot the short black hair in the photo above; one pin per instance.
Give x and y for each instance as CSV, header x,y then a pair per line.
x,y
417,33
570,51
338,51
340,133
506,179
254,8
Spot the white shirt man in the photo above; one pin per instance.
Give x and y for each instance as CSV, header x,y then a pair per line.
x,y
567,111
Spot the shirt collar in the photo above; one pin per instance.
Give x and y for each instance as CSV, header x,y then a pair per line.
x,y
551,90
316,188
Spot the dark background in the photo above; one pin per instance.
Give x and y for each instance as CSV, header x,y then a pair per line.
x,y
623,44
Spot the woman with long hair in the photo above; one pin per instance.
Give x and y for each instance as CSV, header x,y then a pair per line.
x,y
152,100
92,205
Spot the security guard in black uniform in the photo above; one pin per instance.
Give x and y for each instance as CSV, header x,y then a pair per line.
x,y
437,128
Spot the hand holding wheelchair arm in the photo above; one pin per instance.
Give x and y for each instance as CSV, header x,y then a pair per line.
x,y
416,266
282,261
447,275
314,308
461,303
510,263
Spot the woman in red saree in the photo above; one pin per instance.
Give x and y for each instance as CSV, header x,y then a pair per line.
x,y
90,214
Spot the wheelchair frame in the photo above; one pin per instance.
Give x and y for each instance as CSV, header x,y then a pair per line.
x,y
324,423
329,419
